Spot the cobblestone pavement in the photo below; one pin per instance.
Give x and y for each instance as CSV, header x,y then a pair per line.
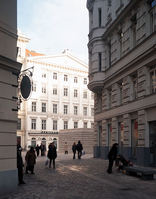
x,y
81,179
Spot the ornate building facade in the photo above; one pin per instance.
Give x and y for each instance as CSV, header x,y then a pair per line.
x,y
122,74
59,100
9,71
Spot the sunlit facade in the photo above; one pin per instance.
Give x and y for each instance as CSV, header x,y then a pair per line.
x,y
59,100
122,74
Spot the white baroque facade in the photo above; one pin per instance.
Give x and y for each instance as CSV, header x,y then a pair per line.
x,y
9,71
122,74
59,100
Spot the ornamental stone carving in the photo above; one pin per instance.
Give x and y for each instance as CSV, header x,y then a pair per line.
x,y
90,4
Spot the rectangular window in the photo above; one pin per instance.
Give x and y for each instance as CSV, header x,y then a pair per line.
x,y
43,124
92,111
153,80
85,111
55,108
55,76
100,16
44,75
75,110
33,124
85,94
85,80
43,107
65,124
85,125
65,78
75,125
34,87
54,91
99,61
44,88
75,80
65,109
33,106
54,124
19,124
65,91
75,93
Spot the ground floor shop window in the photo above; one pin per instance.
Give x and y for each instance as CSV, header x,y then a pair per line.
x,y
152,142
134,137
121,136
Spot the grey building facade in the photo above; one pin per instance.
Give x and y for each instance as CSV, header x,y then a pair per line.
x,y
122,74
9,71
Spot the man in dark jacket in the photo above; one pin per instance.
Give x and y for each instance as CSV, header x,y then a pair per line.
x,y
52,154
79,148
20,165
112,156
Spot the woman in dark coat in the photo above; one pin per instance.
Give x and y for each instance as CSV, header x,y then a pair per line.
x,y
74,150
112,156
52,154
30,160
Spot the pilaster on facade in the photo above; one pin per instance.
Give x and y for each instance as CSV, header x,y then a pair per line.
x,y
141,128
114,136
127,130
142,73
104,133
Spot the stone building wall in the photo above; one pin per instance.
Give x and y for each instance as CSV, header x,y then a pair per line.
x,y
68,137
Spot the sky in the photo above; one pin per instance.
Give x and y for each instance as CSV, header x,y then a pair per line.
x,y
55,25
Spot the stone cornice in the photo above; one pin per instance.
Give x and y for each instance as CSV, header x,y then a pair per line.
x,y
9,64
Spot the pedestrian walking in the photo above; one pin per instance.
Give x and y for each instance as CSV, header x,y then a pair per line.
x,y
52,154
37,150
20,165
74,150
112,157
79,148
43,149
30,160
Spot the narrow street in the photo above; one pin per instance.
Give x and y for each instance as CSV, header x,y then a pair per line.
x,y
81,179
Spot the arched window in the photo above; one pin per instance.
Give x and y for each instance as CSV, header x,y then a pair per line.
x,y
33,142
44,141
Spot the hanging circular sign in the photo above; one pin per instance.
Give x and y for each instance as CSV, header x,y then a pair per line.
x,y
25,87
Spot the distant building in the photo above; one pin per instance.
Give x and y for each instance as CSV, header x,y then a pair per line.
x,y
69,136
122,74
60,99
9,71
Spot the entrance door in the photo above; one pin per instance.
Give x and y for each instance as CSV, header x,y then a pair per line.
x,y
152,142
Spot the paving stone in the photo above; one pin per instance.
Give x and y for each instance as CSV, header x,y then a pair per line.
x,y
81,179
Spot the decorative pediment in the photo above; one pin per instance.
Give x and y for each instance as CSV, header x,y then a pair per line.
x,y
90,4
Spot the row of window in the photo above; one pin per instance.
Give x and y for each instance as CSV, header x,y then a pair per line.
x,y
55,124
121,42
133,89
65,109
65,91
44,75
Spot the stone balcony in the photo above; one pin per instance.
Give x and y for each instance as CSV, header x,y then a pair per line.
x,y
96,81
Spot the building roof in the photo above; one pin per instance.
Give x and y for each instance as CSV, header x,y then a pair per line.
x,y
65,59
29,53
